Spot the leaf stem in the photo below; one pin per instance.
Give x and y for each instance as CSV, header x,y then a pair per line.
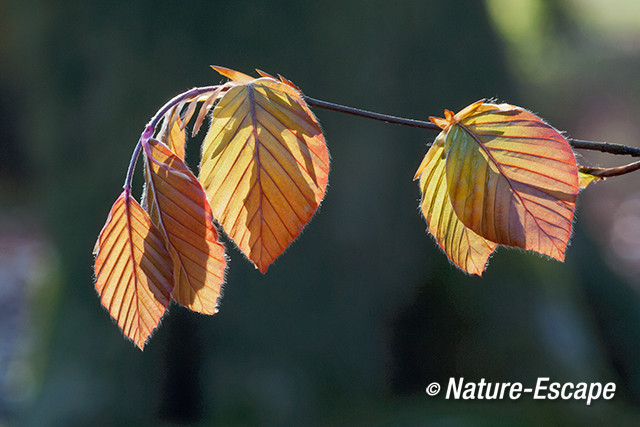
x,y
150,127
132,165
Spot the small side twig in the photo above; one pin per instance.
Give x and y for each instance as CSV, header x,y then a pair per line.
x,y
607,172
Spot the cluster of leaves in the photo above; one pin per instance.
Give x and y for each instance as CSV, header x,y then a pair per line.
x,y
263,174
495,175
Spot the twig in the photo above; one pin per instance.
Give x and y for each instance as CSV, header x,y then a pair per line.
x,y
607,172
605,147
370,114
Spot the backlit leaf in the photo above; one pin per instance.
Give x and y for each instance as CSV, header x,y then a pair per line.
x,y
207,103
465,248
184,218
262,73
233,75
511,177
176,139
132,268
264,165
188,114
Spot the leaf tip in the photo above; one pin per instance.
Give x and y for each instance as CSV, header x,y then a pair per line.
x,y
264,74
289,83
466,111
233,75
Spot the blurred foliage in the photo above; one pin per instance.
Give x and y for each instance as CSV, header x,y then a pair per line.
x,y
363,312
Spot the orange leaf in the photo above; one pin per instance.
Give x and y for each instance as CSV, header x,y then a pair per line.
x,y
511,177
176,139
465,248
264,74
188,114
234,75
289,83
207,103
132,268
264,167
184,218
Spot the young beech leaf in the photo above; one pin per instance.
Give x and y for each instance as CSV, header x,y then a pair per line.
x,y
132,268
176,139
511,177
233,75
465,248
207,103
585,179
184,218
264,165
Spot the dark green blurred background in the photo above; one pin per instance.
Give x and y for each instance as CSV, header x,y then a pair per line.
x,y
353,322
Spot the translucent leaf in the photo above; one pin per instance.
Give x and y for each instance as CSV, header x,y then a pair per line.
x,y
176,139
233,75
132,267
288,82
511,177
264,166
207,103
264,74
184,218
465,248
188,114
166,120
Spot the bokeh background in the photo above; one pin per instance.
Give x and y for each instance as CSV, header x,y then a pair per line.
x,y
363,311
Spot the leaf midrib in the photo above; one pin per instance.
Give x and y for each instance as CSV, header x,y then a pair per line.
x,y
256,157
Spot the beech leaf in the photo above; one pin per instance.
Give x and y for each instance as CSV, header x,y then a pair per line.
x,y
132,268
511,178
264,165
233,75
184,218
207,103
465,248
176,139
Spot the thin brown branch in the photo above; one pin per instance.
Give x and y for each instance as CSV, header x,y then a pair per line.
x,y
605,147
370,114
